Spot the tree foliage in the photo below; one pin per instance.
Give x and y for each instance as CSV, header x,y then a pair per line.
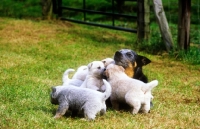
x,y
20,8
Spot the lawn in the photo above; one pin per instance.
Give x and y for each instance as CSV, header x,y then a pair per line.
x,y
35,54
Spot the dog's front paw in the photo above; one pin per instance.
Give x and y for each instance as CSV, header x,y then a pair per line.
x,y
57,116
102,112
151,104
83,119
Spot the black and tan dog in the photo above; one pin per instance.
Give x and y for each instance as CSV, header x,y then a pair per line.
x,y
132,63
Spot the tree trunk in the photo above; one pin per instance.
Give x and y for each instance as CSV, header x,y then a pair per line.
x,y
47,9
184,24
163,24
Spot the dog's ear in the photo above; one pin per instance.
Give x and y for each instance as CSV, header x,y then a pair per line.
x,y
134,64
90,65
53,89
53,94
142,60
106,73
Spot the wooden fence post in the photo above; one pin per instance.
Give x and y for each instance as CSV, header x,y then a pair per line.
x,y
143,29
59,8
163,24
184,24
46,9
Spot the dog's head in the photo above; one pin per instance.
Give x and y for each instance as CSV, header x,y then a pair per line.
x,y
107,61
96,68
131,62
54,94
112,70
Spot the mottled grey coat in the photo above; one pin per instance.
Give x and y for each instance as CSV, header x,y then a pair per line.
x,y
82,99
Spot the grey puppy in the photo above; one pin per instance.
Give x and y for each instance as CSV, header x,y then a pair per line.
x,y
75,98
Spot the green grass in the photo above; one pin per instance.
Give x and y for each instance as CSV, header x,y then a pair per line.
x,y
34,55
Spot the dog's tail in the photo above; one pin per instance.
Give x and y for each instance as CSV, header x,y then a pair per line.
x,y
65,77
108,90
149,86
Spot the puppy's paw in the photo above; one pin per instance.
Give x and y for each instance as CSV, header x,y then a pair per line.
x,y
102,112
151,104
83,119
57,116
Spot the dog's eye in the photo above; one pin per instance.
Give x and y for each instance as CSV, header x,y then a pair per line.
x,y
128,54
99,67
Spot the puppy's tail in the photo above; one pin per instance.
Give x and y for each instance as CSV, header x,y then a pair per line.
x,y
149,86
65,77
108,90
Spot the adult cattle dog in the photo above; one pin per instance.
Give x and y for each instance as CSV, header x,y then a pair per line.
x,y
132,63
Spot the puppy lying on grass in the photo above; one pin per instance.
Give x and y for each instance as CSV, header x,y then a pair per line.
x,y
75,98
135,93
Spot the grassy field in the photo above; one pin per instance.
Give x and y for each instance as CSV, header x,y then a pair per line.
x,y
34,55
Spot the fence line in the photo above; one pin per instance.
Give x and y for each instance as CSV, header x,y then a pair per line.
x,y
62,7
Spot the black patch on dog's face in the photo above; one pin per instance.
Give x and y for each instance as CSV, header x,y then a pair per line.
x,y
127,57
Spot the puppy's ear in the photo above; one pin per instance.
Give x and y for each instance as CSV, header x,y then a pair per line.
x,y
106,73
54,94
90,65
142,60
104,62
53,89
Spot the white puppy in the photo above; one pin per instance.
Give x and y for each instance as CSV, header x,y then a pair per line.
x,y
81,73
77,78
94,77
134,92
107,61
80,99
